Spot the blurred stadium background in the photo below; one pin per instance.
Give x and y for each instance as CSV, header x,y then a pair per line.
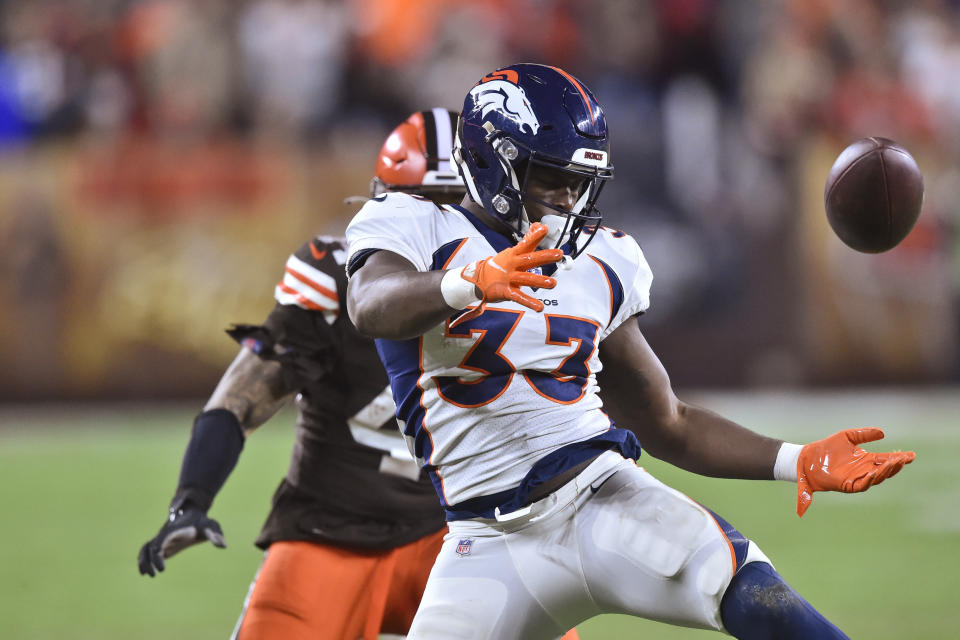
x,y
160,158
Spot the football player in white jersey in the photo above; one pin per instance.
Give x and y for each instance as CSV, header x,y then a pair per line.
x,y
493,319
354,526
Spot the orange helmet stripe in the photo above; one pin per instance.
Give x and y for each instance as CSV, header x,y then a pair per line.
x,y
583,94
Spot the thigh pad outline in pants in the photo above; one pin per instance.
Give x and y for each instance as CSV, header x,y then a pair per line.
x,y
530,561
479,595
653,552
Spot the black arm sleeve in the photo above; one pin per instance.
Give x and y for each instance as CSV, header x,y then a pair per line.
x,y
214,448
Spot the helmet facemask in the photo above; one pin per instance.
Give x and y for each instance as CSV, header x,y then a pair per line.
x,y
518,163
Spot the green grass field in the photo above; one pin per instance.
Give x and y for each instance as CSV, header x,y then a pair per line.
x,y
82,489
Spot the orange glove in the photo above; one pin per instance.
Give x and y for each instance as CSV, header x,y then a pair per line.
x,y
836,463
499,277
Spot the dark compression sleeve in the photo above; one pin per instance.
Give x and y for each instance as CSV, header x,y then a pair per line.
x,y
212,453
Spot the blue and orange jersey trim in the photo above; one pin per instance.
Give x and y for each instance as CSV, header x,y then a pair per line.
x,y
614,284
443,255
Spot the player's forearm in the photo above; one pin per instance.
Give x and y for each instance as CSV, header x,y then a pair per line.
x,y
708,444
249,393
252,389
637,393
395,304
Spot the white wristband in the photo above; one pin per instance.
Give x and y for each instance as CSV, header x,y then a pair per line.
x,y
457,292
785,468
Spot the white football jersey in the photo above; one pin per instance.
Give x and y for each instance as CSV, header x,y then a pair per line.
x,y
481,403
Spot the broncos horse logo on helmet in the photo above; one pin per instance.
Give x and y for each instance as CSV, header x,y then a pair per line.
x,y
495,92
527,118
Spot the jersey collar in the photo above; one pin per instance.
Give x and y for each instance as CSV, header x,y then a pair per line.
x,y
498,241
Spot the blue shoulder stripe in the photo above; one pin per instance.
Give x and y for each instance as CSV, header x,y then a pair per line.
x,y
443,255
616,287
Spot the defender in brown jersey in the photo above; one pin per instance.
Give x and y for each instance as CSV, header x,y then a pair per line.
x,y
354,526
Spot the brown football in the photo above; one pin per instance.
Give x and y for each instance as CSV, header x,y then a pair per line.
x,y
873,195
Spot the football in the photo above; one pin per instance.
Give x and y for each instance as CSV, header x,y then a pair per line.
x,y
873,194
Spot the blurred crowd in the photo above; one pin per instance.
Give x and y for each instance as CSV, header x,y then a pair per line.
x,y
298,68
725,116
289,68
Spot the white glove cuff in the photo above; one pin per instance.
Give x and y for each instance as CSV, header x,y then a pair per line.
x,y
785,468
457,292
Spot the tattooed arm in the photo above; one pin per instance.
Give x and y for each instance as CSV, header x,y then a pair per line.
x,y
252,389
249,393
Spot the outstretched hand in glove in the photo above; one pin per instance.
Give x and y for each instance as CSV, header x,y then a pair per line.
x,y
837,463
500,277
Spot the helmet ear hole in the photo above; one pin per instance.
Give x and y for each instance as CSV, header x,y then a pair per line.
x,y
520,170
478,160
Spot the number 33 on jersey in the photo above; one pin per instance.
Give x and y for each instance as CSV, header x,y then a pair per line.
x,y
529,378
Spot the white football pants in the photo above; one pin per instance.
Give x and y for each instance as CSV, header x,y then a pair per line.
x,y
612,540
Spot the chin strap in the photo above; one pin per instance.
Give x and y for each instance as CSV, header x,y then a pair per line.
x,y
558,231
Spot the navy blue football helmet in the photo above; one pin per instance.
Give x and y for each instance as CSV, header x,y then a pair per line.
x,y
526,118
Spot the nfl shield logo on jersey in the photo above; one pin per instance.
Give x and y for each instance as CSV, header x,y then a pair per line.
x,y
464,547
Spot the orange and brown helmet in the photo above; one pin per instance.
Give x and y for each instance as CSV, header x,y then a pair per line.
x,y
415,158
